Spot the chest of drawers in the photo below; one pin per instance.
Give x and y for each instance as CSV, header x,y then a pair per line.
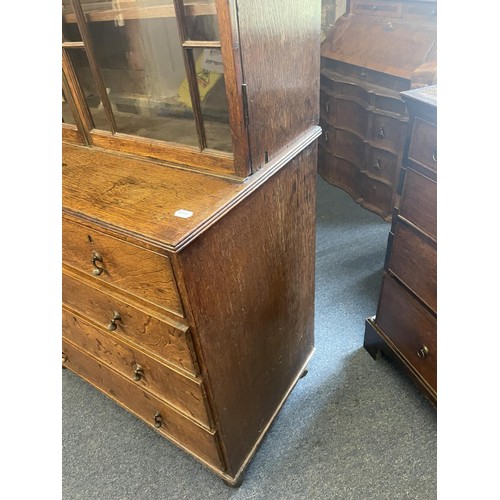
x,y
195,314
376,50
404,326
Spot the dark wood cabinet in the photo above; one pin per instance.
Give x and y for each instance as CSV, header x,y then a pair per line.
x,y
373,52
404,326
189,170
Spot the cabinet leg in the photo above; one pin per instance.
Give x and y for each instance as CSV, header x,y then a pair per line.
x,y
235,484
305,372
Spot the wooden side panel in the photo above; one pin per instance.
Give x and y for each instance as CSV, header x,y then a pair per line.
x,y
280,43
254,314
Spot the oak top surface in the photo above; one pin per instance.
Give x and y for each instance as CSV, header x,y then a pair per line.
x,y
160,203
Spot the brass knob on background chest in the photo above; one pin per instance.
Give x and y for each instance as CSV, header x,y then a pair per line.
x,y
158,419
97,268
112,324
381,133
423,352
138,372
377,165
64,357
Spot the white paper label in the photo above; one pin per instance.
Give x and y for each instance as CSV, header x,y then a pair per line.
x,y
212,61
183,214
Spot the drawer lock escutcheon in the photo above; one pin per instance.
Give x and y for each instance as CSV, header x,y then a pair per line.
x,y
112,324
98,268
423,352
138,372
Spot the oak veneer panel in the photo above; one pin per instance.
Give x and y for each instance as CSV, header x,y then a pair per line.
x,y
139,196
264,298
190,436
283,85
186,394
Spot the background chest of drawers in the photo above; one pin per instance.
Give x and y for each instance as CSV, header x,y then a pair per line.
x,y
376,50
404,326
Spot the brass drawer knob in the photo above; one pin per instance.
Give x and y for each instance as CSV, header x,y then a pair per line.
x,y
112,324
423,352
326,136
138,372
97,269
158,420
64,357
381,133
377,165
435,156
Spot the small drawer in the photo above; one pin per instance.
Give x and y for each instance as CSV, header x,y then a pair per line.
x,y
350,147
390,104
377,8
185,394
413,260
145,274
327,138
388,132
123,320
420,11
351,116
382,164
419,202
193,438
353,91
346,175
423,144
326,102
410,326
377,194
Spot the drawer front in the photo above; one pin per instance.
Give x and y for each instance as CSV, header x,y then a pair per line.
x,y
377,8
185,394
347,176
170,423
423,144
351,116
419,202
327,103
414,261
350,147
382,164
134,325
421,11
388,132
377,194
411,327
327,138
351,90
142,273
391,104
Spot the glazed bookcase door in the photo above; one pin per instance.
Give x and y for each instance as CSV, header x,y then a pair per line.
x,y
154,78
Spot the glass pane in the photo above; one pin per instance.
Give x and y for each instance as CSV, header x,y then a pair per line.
x,y
142,65
201,20
84,75
67,115
69,26
212,89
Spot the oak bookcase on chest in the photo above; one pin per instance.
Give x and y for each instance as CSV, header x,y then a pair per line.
x,y
189,170
404,327
373,52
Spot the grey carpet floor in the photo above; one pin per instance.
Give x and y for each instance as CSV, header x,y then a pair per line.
x,y
353,428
